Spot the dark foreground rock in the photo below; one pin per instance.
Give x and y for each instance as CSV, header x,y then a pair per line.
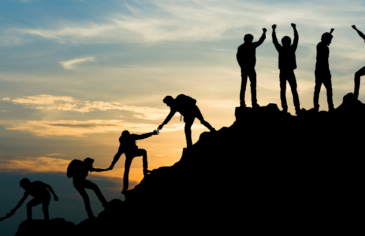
x,y
268,172
54,227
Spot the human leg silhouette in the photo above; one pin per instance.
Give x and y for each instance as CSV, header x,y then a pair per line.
x,y
252,76
90,185
282,77
188,123
128,161
358,74
30,204
45,207
244,74
328,84
317,90
200,117
293,85
79,185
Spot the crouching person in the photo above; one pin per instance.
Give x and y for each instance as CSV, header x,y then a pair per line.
x,y
39,191
79,170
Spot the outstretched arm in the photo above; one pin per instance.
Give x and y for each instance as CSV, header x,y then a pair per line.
x,y
274,39
143,136
168,118
262,39
359,32
296,36
53,193
20,203
98,169
116,158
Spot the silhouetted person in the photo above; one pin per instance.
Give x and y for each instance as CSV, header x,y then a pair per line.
x,y
287,65
187,108
128,146
322,72
360,72
79,170
246,58
39,191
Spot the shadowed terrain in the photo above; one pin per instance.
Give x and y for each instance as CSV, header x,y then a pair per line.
x,y
268,171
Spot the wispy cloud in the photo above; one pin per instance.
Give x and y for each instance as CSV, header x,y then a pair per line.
x,y
203,20
66,103
70,64
82,128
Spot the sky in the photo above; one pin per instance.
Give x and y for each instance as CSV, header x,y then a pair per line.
x,y
75,73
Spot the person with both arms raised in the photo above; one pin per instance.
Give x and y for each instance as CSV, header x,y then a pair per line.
x,y
246,58
287,65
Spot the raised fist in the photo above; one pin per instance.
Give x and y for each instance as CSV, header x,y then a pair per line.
x,y
274,26
264,29
293,25
354,26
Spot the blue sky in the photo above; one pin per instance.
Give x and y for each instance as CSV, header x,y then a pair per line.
x,y
75,74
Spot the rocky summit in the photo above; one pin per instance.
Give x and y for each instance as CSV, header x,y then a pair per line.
x,y
269,171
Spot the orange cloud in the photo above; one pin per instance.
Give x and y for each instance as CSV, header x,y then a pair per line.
x,y
82,128
66,103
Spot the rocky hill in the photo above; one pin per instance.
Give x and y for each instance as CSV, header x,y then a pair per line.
x,y
268,171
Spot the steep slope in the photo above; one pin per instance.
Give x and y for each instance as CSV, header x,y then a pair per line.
x,y
269,171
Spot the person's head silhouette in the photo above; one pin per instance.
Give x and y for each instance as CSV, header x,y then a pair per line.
x,y
327,38
248,38
286,41
88,161
168,100
25,183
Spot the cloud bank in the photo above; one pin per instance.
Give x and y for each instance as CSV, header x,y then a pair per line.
x,y
66,103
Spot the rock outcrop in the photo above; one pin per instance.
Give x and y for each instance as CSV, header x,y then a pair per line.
x,y
54,227
269,171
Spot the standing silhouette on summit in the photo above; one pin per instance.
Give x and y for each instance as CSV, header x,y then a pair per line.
x,y
128,146
246,58
287,65
79,170
187,108
39,191
360,72
322,72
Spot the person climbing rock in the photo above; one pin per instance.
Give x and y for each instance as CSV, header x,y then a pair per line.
x,y
187,108
287,65
79,170
128,146
360,72
40,192
322,72
246,58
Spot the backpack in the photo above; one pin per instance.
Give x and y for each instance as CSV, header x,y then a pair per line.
x,y
184,101
73,167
